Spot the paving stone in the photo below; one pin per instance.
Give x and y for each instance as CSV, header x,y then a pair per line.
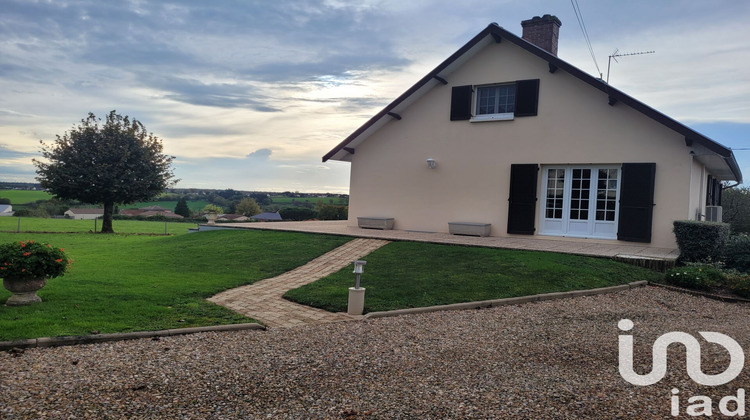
x,y
263,300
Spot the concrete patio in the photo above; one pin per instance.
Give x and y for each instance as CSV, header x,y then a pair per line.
x,y
589,247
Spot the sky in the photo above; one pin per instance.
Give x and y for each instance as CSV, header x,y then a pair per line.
x,y
250,95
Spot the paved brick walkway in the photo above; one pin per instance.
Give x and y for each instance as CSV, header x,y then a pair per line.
x,y
262,300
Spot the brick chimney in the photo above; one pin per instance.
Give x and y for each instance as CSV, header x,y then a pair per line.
x,y
542,32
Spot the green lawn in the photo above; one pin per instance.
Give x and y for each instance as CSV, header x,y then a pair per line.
x,y
34,224
408,274
170,205
24,196
121,283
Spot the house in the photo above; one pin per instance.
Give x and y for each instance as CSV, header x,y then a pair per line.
x,y
267,217
81,214
6,210
232,218
507,136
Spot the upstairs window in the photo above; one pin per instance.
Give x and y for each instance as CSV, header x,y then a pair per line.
x,y
495,102
499,101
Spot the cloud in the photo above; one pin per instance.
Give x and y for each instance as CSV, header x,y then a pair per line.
x,y
259,155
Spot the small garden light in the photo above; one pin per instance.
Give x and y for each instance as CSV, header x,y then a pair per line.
x,y
356,305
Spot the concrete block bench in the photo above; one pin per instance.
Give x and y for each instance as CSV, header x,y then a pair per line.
x,y
383,223
469,229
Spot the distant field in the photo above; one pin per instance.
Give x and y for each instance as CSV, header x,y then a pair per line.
x,y
338,201
23,196
33,224
192,205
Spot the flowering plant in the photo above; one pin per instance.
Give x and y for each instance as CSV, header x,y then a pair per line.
x,y
30,260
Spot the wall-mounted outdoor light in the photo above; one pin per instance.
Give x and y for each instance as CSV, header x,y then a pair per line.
x,y
356,305
431,163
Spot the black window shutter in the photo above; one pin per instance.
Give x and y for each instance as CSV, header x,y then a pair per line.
x,y
718,193
461,102
710,191
636,202
527,98
522,201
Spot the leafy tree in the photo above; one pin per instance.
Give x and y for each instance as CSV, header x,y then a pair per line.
x,y
182,208
735,204
298,213
328,212
262,199
114,162
248,207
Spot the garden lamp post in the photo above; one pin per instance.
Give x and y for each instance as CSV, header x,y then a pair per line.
x,y
356,305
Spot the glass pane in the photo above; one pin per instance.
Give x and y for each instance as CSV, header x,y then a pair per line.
x,y
610,216
600,215
584,214
576,173
613,174
587,173
602,173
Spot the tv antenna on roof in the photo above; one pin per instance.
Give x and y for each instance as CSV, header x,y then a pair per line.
x,y
616,54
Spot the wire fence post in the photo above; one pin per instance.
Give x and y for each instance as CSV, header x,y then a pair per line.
x,y
18,229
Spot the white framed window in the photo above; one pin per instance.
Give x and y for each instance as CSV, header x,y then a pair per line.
x,y
495,102
580,200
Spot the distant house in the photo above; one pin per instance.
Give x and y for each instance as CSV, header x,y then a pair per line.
x,y
84,214
150,211
232,218
6,210
267,217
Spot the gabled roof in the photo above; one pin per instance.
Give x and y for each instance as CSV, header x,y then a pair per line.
x,y
267,216
720,159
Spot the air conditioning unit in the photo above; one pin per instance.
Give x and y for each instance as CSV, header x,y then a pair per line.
x,y
713,213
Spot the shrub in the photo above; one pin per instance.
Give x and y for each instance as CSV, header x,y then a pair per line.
x,y
700,241
738,283
695,276
737,253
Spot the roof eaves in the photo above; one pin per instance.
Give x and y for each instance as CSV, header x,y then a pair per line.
x,y
422,82
498,33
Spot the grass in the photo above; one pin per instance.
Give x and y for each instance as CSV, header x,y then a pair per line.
x,y
33,224
24,196
121,283
407,274
169,205
337,201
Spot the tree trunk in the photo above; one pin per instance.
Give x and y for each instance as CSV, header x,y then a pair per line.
x,y
109,208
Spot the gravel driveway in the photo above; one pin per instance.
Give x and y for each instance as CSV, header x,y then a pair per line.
x,y
545,360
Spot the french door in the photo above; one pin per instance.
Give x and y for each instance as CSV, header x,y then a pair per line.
x,y
580,200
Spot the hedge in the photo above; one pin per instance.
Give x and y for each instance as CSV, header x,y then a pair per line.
x,y
700,241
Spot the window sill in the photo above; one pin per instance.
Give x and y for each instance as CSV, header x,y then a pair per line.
x,y
493,117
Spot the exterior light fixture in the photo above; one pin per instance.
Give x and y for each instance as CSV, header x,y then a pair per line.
x,y
356,304
359,268
431,163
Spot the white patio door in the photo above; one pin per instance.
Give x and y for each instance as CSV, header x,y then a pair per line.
x,y
580,201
